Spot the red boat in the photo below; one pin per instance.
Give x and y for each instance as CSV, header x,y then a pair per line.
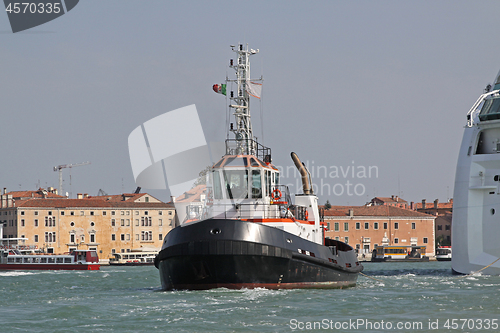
x,y
76,260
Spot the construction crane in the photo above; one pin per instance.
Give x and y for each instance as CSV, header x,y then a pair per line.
x,y
62,166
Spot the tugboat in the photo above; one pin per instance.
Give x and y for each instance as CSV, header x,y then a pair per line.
x,y
247,233
476,201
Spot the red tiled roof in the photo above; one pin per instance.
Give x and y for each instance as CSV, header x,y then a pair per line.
x,y
33,194
89,203
430,205
390,199
382,210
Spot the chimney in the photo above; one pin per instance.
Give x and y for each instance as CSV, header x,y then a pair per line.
x,y
86,195
436,203
396,198
392,197
79,196
412,205
423,203
9,201
4,201
5,190
351,212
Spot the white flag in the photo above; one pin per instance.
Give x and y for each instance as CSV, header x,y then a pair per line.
x,y
254,89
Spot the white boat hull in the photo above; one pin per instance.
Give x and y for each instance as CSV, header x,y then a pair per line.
x,y
476,202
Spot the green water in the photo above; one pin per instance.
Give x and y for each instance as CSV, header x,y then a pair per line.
x,y
418,296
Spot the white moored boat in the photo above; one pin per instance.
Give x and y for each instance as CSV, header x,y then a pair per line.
x,y
476,201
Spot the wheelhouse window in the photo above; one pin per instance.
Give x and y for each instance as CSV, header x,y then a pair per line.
x,y
236,183
256,184
216,185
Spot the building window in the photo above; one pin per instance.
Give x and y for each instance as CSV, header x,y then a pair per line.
x,y
122,237
128,237
36,222
375,225
358,225
50,213
72,238
136,212
425,240
62,213
440,227
104,213
36,213
91,213
136,236
113,212
146,221
413,225
36,238
160,236
385,225
137,222
82,213
122,212
147,199
50,221
346,240
396,240
160,212
22,212
447,227
128,212
112,222
113,250
336,226
169,212
50,237
346,226
128,222
147,235
22,222
160,223
92,238
367,225
71,213
92,223
396,225
146,212
122,222
113,237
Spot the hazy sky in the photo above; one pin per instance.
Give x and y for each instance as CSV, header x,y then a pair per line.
x,y
381,84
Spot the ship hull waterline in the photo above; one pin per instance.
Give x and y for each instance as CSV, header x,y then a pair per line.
x,y
243,254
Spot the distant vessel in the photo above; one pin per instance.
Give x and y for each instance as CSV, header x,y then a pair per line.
x,y
247,233
76,260
133,258
476,201
443,253
399,253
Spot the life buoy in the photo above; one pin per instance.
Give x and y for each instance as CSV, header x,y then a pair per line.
x,y
276,194
306,215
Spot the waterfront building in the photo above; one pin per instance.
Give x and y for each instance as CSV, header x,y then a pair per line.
x,y
108,224
444,213
364,227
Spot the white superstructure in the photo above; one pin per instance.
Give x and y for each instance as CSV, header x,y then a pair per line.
x,y
476,202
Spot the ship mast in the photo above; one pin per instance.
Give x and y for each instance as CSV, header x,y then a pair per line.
x,y
240,102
